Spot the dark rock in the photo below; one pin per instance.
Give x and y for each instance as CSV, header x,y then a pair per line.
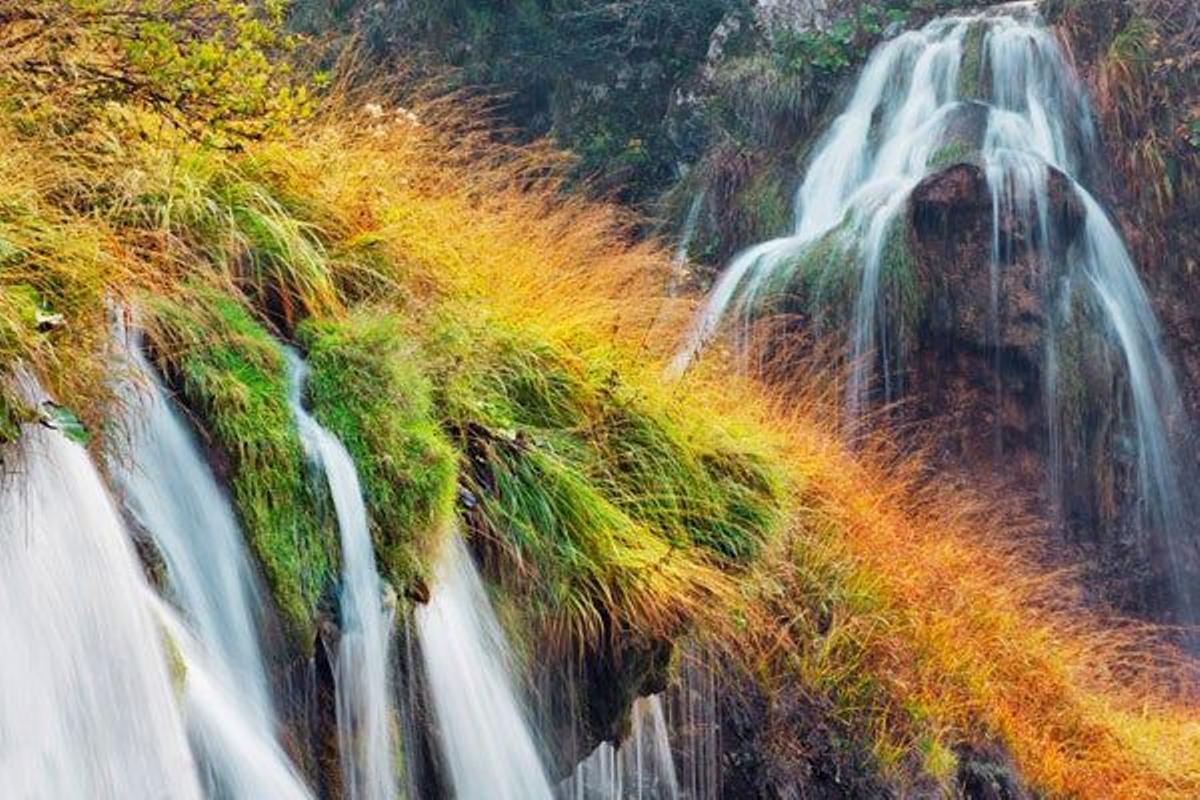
x,y
784,743
988,773
587,694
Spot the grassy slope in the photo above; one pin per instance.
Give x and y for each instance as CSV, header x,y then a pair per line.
x,y
543,334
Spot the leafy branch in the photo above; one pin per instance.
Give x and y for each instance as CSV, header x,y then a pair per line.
x,y
215,68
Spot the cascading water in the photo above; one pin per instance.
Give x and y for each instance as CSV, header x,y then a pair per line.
x,y
170,492
87,707
239,758
1033,91
642,768
690,223
488,748
893,133
864,166
695,730
364,703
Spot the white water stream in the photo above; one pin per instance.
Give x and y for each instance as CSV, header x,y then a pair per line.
x,y
171,493
642,768
361,673
87,708
483,733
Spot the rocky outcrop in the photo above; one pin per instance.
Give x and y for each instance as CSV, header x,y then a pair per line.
x,y
791,15
990,340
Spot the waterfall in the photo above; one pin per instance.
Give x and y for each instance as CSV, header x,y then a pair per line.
x,y
240,759
488,748
873,154
905,107
87,708
170,492
1035,95
690,223
642,768
364,704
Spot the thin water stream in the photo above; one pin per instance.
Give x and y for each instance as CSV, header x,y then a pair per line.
x,y
489,750
361,672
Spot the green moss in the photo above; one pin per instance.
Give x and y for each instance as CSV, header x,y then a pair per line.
x,y
367,386
13,413
176,665
18,320
898,277
232,375
955,151
973,62
827,274
766,204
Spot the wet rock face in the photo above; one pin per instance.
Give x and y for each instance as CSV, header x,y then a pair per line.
x,y
978,366
587,696
952,229
977,376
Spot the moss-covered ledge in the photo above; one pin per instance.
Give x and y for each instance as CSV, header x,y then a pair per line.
x,y
231,373
368,387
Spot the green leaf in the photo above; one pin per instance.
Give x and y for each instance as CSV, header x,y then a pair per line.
x,y
63,419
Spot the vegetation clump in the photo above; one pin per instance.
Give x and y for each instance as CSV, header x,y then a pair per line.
x,y
594,488
368,387
973,66
232,374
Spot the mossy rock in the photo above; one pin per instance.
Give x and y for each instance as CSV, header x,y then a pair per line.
x,y
368,387
973,67
13,414
232,374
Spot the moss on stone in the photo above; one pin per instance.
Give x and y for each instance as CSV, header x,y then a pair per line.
x,y
368,387
232,374
955,151
898,276
176,665
972,66
13,414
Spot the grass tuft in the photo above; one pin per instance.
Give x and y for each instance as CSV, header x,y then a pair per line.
x,y
367,386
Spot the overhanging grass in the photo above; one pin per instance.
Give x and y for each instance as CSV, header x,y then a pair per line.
x,y
586,483
232,374
367,386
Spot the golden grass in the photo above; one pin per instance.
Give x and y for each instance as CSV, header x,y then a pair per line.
x,y
938,628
